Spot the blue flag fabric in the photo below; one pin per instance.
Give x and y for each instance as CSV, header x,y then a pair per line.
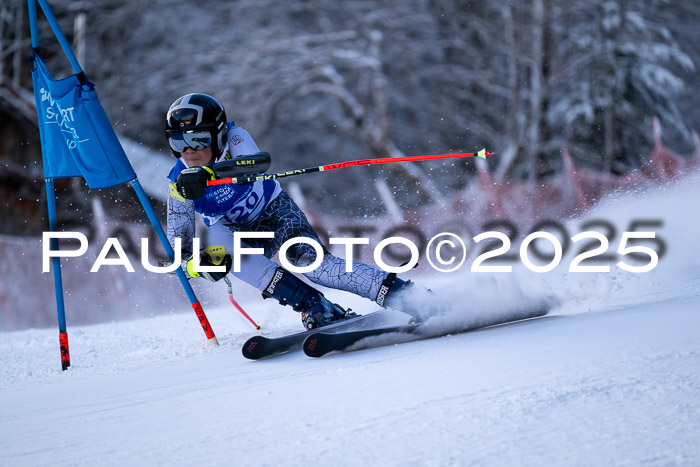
x,y
77,138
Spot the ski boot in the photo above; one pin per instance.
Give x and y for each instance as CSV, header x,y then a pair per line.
x,y
316,311
418,303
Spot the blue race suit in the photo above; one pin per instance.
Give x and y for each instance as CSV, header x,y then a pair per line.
x,y
261,206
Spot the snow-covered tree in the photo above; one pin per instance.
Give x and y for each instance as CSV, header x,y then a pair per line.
x,y
317,81
615,72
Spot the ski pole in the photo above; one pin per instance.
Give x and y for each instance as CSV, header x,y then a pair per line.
x,y
323,168
238,307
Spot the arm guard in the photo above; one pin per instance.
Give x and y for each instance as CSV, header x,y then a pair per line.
x,y
181,222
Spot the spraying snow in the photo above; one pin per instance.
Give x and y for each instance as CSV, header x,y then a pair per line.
x,y
609,377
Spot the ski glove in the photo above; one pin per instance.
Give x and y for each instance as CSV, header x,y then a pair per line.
x,y
192,182
211,256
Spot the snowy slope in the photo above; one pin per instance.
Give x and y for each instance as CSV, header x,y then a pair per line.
x,y
610,377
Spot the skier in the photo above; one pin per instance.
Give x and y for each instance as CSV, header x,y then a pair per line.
x,y
199,135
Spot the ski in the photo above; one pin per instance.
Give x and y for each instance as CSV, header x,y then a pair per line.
x,y
260,346
319,343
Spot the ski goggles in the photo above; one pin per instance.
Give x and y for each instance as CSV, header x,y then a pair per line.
x,y
181,140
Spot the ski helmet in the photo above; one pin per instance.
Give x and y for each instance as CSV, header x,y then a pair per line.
x,y
190,118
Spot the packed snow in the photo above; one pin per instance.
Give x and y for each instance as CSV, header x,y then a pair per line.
x,y
609,377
